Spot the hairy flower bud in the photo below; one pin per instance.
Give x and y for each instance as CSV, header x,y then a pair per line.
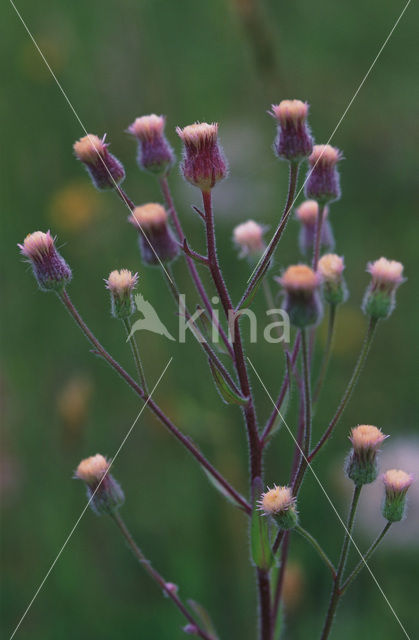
x,y
281,504
103,492
331,268
154,152
323,182
396,484
380,297
105,170
156,239
203,163
302,301
293,141
49,267
248,237
307,213
361,464
121,284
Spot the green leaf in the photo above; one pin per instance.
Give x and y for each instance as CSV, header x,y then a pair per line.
x,y
204,618
227,393
260,545
219,487
248,301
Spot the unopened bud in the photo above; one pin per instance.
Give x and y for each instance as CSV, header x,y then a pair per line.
x,y
121,285
248,237
302,301
49,267
380,297
191,629
154,152
396,483
331,268
203,163
281,504
361,464
105,170
104,493
156,239
323,182
293,141
307,213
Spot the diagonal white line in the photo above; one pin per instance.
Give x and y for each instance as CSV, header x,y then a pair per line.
x,y
329,500
340,121
90,500
67,99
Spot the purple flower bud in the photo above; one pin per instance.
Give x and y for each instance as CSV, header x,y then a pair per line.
x,y
322,182
105,170
293,141
307,214
156,238
154,152
302,301
203,163
102,489
49,267
380,297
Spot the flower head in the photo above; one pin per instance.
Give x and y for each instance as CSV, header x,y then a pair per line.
x,y
105,170
121,285
203,163
248,236
323,182
156,239
293,141
396,483
361,464
331,267
380,297
154,152
307,214
300,279
104,493
49,267
302,302
279,502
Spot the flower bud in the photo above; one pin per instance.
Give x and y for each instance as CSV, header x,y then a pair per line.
x,y
49,267
307,213
203,163
156,238
380,297
121,284
330,268
323,182
361,464
281,504
248,237
293,141
105,170
103,491
396,484
154,152
302,301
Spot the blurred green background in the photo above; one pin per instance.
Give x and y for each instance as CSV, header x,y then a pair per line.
x,y
224,60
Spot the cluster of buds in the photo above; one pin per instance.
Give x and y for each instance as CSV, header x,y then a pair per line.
x,y
293,141
323,182
105,170
280,504
121,285
154,152
307,214
49,267
203,162
396,484
156,239
248,237
361,464
302,300
380,297
103,492
331,267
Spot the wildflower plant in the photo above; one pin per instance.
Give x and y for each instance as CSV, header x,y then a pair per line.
x,y
310,291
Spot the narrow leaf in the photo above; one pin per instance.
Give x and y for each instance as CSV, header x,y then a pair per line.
x,y
262,555
227,393
219,487
249,299
204,618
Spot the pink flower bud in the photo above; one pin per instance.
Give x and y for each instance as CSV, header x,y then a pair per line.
x,y
121,285
302,302
249,238
49,267
105,170
280,503
331,267
154,152
380,297
323,182
396,483
293,141
156,239
307,214
361,464
203,163
102,489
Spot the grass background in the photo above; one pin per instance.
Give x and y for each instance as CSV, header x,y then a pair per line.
x,y
194,61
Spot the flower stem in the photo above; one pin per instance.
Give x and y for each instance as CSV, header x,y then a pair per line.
x,y
135,354
264,604
317,547
170,592
318,236
335,595
351,386
305,449
366,557
327,352
285,538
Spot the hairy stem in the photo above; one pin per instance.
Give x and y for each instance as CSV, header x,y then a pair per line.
x,y
327,352
318,236
135,354
366,557
264,604
280,580
317,547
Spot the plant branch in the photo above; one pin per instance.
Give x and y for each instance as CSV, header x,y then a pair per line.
x,y
264,604
317,547
136,354
318,236
366,557
327,352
